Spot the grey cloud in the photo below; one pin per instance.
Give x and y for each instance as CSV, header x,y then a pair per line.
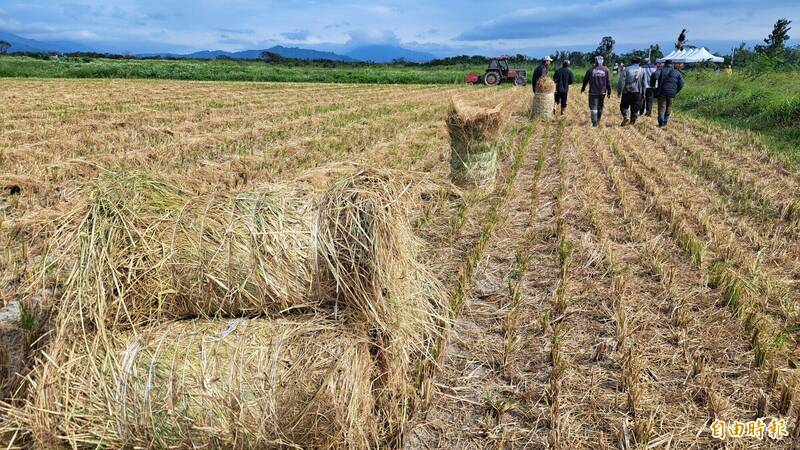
x,y
556,20
235,41
337,25
296,35
236,30
372,37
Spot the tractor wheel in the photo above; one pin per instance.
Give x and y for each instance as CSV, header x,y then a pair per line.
x,y
491,79
520,81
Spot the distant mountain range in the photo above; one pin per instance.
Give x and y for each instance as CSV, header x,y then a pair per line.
x,y
369,53
21,44
286,52
388,53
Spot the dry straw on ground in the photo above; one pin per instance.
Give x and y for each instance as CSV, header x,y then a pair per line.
x,y
473,131
208,384
543,99
146,252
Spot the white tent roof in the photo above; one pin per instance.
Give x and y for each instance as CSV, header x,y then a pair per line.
x,y
692,55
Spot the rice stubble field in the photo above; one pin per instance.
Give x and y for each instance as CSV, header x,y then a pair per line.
x,y
617,288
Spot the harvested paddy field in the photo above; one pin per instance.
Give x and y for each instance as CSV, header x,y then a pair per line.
x,y
613,288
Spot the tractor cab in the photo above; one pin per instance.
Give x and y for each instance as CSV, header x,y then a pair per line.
x,y
498,72
499,64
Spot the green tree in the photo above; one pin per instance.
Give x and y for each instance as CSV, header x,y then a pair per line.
x,y
4,46
655,52
270,57
776,41
606,48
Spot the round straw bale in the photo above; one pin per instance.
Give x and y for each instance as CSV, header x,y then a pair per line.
x,y
475,167
545,85
543,104
371,260
148,252
240,254
367,255
471,123
206,384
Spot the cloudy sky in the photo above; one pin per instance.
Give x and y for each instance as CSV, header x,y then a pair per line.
x,y
441,27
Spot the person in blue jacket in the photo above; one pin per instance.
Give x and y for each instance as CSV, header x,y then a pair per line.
x,y
668,83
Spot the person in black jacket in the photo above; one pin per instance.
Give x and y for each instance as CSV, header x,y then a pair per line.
x,y
563,79
541,71
668,83
598,78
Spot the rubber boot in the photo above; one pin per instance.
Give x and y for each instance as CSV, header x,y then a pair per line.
x,y
595,119
660,121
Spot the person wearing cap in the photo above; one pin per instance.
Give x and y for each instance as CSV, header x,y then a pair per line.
x,y
630,89
598,78
649,92
668,82
541,71
563,78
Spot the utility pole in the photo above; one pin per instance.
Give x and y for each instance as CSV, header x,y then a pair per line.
x,y
733,53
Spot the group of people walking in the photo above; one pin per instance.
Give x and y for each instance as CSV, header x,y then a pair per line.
x,y
638,86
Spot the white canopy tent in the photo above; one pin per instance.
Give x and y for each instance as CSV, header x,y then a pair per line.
x,y
691,55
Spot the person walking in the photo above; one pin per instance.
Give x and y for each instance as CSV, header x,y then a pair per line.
x,y
563,78
630,89
598,78
668,82
541,71
649,93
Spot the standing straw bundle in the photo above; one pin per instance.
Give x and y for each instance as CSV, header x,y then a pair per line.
x,y
543,99
473,150
207,384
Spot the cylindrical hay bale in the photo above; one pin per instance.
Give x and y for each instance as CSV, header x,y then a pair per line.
x,y
147,252
473,132
476,166
208,384
240,254
544,99
372,261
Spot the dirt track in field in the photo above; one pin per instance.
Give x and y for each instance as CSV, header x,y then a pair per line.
x,y
636,282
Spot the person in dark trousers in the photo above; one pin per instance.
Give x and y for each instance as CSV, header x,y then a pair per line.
x,y
541,71
563,79
647,99
630,89
599,80
668,82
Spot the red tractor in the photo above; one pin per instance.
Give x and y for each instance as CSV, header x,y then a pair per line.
x,y
498,72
